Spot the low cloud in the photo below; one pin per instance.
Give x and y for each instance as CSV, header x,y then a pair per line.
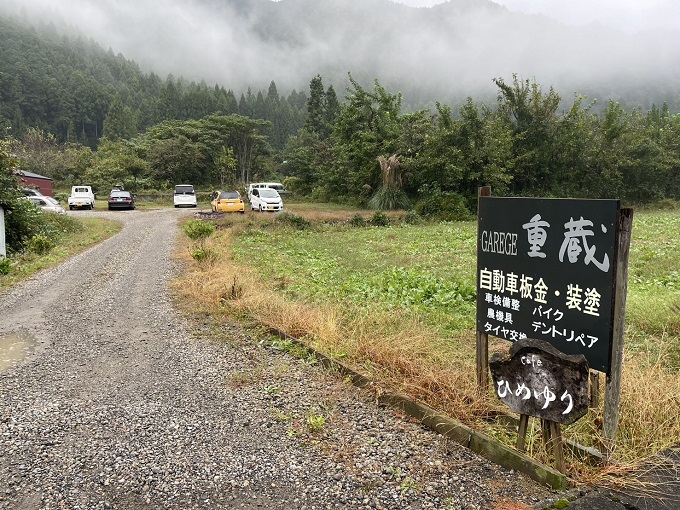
x,y
451,49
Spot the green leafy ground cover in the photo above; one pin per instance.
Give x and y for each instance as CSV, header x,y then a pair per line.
x,y
653,311
429,270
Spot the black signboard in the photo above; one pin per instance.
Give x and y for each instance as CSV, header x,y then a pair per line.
x,y
545,270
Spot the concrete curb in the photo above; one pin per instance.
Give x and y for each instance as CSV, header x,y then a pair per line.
x,y
479,443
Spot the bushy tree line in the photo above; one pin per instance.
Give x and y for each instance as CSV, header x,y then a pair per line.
x,y
26,227
524,145
224,150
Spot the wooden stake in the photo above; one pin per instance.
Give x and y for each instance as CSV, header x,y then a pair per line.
x,y
557,446
594,395
522,431
612,397
482,340
482,350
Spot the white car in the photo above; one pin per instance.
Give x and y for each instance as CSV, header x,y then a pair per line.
x,y
81,196
48,204
185,196
265,199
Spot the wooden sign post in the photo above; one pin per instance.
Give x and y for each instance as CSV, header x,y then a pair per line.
x,y
555,270
482,348
612,397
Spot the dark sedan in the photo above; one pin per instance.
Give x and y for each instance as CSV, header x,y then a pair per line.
x,y
121,200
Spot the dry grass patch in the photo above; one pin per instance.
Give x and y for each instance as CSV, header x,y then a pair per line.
x,y
312,212
396,350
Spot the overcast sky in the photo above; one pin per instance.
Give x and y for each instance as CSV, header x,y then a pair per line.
x,y
628,15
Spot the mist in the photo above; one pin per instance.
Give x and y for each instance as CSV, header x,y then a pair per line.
x,y
450,50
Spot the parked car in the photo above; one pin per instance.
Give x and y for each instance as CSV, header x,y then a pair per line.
x,y
47,204
265,199
32,192
121,200
185,196
273,185
227,201
81,196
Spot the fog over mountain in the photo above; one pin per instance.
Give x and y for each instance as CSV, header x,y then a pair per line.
x,y
450,50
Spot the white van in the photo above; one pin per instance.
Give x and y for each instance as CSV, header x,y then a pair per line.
x,y
280,188
185,196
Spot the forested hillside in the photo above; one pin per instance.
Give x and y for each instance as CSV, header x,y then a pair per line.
x,y
77,91
444,53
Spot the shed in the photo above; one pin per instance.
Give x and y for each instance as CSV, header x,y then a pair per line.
x,y
31,180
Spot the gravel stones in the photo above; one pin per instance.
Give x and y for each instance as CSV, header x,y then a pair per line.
x,y
127,405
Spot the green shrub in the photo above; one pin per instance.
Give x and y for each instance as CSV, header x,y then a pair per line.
x,y
665,204
380,219
40,244
23,220
357,221
411,217
61,197
204,255
389,198
5,266
198,230
54,225
293,220
442,205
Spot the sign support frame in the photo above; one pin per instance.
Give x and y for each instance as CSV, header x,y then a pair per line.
x,y
482,341
612,397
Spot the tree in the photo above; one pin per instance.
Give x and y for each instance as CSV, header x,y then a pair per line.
x,y
391,193
308,162
116,163
119,123
226,167
369,125
316,122
532,117
176,160
331,108
22,220
38,151
169,104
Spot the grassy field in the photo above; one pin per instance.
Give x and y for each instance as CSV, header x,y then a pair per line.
x,y
398,303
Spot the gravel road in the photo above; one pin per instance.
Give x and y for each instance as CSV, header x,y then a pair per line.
x,y
124,404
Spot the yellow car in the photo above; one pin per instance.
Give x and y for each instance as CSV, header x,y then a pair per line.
x,y
227,201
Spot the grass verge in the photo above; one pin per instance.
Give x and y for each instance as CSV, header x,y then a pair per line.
x,y
73,237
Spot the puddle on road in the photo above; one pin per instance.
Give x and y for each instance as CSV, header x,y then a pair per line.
x,y
14,347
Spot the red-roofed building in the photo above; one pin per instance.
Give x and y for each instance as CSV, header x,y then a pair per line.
x,y
31,180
